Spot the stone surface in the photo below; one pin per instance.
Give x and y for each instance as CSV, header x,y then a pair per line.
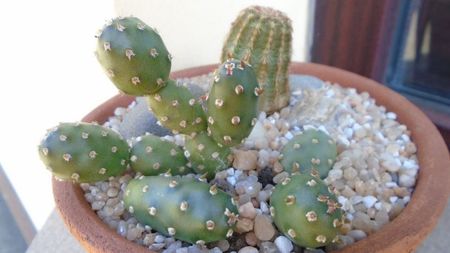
x,y
264,229
283,244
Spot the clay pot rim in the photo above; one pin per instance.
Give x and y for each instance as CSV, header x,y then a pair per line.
x,y
403,234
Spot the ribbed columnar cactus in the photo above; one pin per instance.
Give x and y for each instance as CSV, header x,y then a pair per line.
x,y
206,156
306,211
152,155
84,152
186,209
232,102
133,56
263,36
177,109
310,150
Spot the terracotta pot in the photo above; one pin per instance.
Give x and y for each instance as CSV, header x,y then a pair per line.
x,y
403,234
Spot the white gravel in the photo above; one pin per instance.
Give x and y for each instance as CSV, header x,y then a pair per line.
x,y
374,174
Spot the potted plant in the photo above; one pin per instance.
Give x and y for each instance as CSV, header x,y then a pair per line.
x,y
128,68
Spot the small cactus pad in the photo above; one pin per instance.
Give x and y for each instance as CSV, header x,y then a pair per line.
x,y
133,56
152,155
177,109
84,152
264,36
186,209
311,150
206,156
306,211
232,102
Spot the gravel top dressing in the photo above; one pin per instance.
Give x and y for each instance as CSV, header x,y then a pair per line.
x,y
374,174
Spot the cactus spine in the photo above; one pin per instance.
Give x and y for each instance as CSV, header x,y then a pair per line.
x,y
84,152
176,207
133,56
263,36
312,150
152,155
235,87
306,211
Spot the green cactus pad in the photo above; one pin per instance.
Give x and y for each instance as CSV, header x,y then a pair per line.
x,y
177,109
84,152
312,149
186,209
206,156
133,56
264,36
306,211
232,103
152,155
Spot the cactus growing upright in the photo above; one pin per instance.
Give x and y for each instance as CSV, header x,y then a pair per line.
x,y
84,152
263,36
186,209
306,210
232,102
133,56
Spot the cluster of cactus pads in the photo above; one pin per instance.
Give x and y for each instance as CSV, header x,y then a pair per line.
x,y
263,36
138,63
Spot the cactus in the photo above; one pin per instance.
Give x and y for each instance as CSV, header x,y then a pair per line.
x,y
152,155
176,207
177,109
232,103
306,211
263,36
206,156
84,152
133,56
312,149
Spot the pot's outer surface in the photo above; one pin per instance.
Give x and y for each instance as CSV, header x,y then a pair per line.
x,y
403,234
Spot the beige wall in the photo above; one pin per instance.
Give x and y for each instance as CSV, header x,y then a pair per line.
x,y
194,30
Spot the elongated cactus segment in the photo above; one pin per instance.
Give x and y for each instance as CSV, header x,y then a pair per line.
x,y
232,103
306,211
152,155
133,56
186,209
264,37
312,150
84,152
206,157
177,109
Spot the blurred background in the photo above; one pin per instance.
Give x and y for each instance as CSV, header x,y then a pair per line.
x,y
49,73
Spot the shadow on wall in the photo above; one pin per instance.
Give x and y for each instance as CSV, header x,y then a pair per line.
x,y
191,28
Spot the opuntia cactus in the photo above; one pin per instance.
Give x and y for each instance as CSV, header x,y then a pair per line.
x,y
306,211
186,209
152,155
232,102
264,37
133,56
177,109
311,150
84,152
206,156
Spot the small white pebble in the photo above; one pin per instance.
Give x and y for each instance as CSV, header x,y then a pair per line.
x,y
283,244
369,201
